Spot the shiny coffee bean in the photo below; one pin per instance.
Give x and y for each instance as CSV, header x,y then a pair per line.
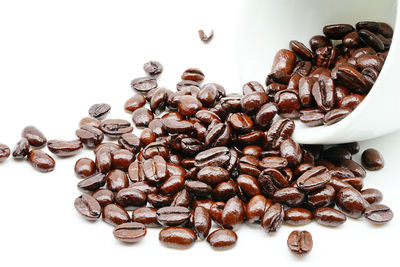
x,y
279,132
41,161
372,160
270,180
284,61
256,207
121,159
336,153
272,218
189,105
292,152
301,50
217,156
300,242
252,102
147,136
158,201
117,180
326,57
172,185
130,197
115,215
88,207
144,84
89,122
354,167
336,115
318,41
312,117
135,102
289,196
329,217
21,149
173,216
208,95
130,142
104,197
146,216
142,117
145,187
177,237
115,127
64,148
92,183
103,160
155,169
198,188
224,191
249,185
252,87
372,195
130,232
321,197
298,216
90,136
99,111
378,214
314,179
351,202
233,213
202,222
4,152
193,74
153,67
324,93
34,136
135,172
222,239
337,31
372,40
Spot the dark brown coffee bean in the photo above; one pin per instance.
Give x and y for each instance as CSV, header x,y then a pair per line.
x,y
252,102
378,214
202,222
99,111
351,40
4,152
351,79
34,136
288,104
351,202
64,148
193,74
279,132
353,166
233,213
265,115
130,232
372,195
146,216
305,91
117,180
372,40
90,136
241,122
336,153
324,93
292,152
198,188
356,182
222,239
386,30
115,127
208,95
271,179
301,50
326,56
41,161
284,61
314,179
350,101
174,126
104,197
155,169
92,183
106,147
88,207
103,161
372,160
272,218
121,159
142,117
177,237
130,142
189,105
145,187
329,217
231,103
217,156
249,185
135,102
321,197
158,100
172,185
256,207
153,67
21,149
225,190
147,136
300,242
290,196
143,84
115,215
175,170
298,216
337,31
219,135
213,175
89,122
249,165
158,201
318,41
205,203
128,197
312,117
252,87
173,216
353,147
369,61
336,115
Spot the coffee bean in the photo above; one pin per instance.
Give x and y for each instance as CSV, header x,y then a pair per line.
x,y
89,122
371,39
115,127
225,190
99,111
144,84
351,40
336,115
288,103
378,214
121,159
351,202
353,166
88,207
256,207
291,151
155,169
117,180
198,188
252,102
337,31
271,179
104,197
127,197
21,149
372,195
351,79
64,148
90,136
298,216
193,74
213,175
4,152
34,136
336,154
92,183
222,239
172,185
202,222
290,196
41,161
217,156
314,179
300,242
326,57
142,117
173,216
321,197
324,93
249,185
279,132
135,102
233,213
372,160
312,117
318,41
329,217
272,218
130,142
177,237
284,61
146,216
208,95
153,67
130,232
115,215
158,100
301,50
252,87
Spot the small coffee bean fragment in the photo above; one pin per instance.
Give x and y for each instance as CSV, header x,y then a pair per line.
x,y
300,242
4,152
204,38
372,160
130,232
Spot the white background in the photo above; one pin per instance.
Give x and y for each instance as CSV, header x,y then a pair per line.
x,y
57,58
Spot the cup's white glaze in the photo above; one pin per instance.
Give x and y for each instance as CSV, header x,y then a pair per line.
x,y
268,26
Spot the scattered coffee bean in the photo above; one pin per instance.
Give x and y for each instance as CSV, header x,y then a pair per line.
x,y
378,214
34,136
64,148
88,207
204,37
153,67
4,152
177,237
372,160
300,242
222,239
41,161
99,111
130,232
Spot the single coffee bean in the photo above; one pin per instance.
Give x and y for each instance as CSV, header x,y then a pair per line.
x,y
351,202
372,195
321,197
356,182
153,67
90,136
177,237
372,160
89,122
88,207
4,152
115,215
158,201
351,79
252,102
145,187
290,196
314,179
155,169
158,100
202,222
233,213
103,160
252,87
175,126
41,161
248,184
172,185
127,197
337,31
324,93
284,61
117,180
372,40
213,175
115,127
378,214
130,232
144,84
270,180
104,197
142,117
336,115
353,166
64,148
208,95
326,57
256,207
301,50
273,218
351,40
298,216
99,111
329,217
353,147
130,142
292,152
336,153
198,188
222,239
146,216
92,183
135,102
279,132
21,149
224,191
300,242
34,136
318,41
173,216
265,115
217,156
121,159
312,117
193,74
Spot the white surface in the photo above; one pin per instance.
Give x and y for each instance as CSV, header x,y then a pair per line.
x,y
261,35
58,59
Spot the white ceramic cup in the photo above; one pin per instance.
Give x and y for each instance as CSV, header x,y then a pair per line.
x,y
268,26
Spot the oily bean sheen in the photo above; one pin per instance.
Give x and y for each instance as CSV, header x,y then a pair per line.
x,y
300,242
329,217
41,161
115,215
202,222
222,239
88,207
217,156
104,197
351,202
173,216
273,218
130,197
290,196
177,237
4,152
92,183
135,102
21,149
34,136
99,111
314,179
372,195
115,127
213,175
153,67
378,214
298,216
233,213
372,160
90,122
130,232
144,84
146,216
256,207
337,31
64,148
90,136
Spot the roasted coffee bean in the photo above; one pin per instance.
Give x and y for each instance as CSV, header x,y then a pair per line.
x,y
284,61
289,196
216,211
88,207
265,115
252,102
248,184
117,180
174,126
386,30
321,197
351,40
249,165
301,50
329,217
103,160
207,116
90,136
351,202
158,100
205,203
231,102
64,148
314,179
272,218
173,216
130,232
193,74
372,160
222,239
350,101
21,149
252,87
217,156
291,151
128,197
372,195
104,197
378,214
252,150
288,104
130,142
305,91
273,163
135,102
175,170
225,190
353,166
99,111
300,242
326,56
155,169
356,182
4,152
338,183
336,153
144,84
353,147
147,136
34,136
172,185
189,105
312,117
208,95
177,237
302,67
89,122
219,135
318,41
233,213
142,117
198,188
241,122
153,67
92,183
115,215
372,40
271,179
324,93
202,222
298,216
115,127
121,159
41,161
146,216
351,79
279,132
256,207
337,31
336,115
157,148
145,187
213,175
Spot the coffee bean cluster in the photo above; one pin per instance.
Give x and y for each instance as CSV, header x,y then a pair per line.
x,y
324,84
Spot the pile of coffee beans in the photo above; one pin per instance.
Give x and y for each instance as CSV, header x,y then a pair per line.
x,y
206,157
324,84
